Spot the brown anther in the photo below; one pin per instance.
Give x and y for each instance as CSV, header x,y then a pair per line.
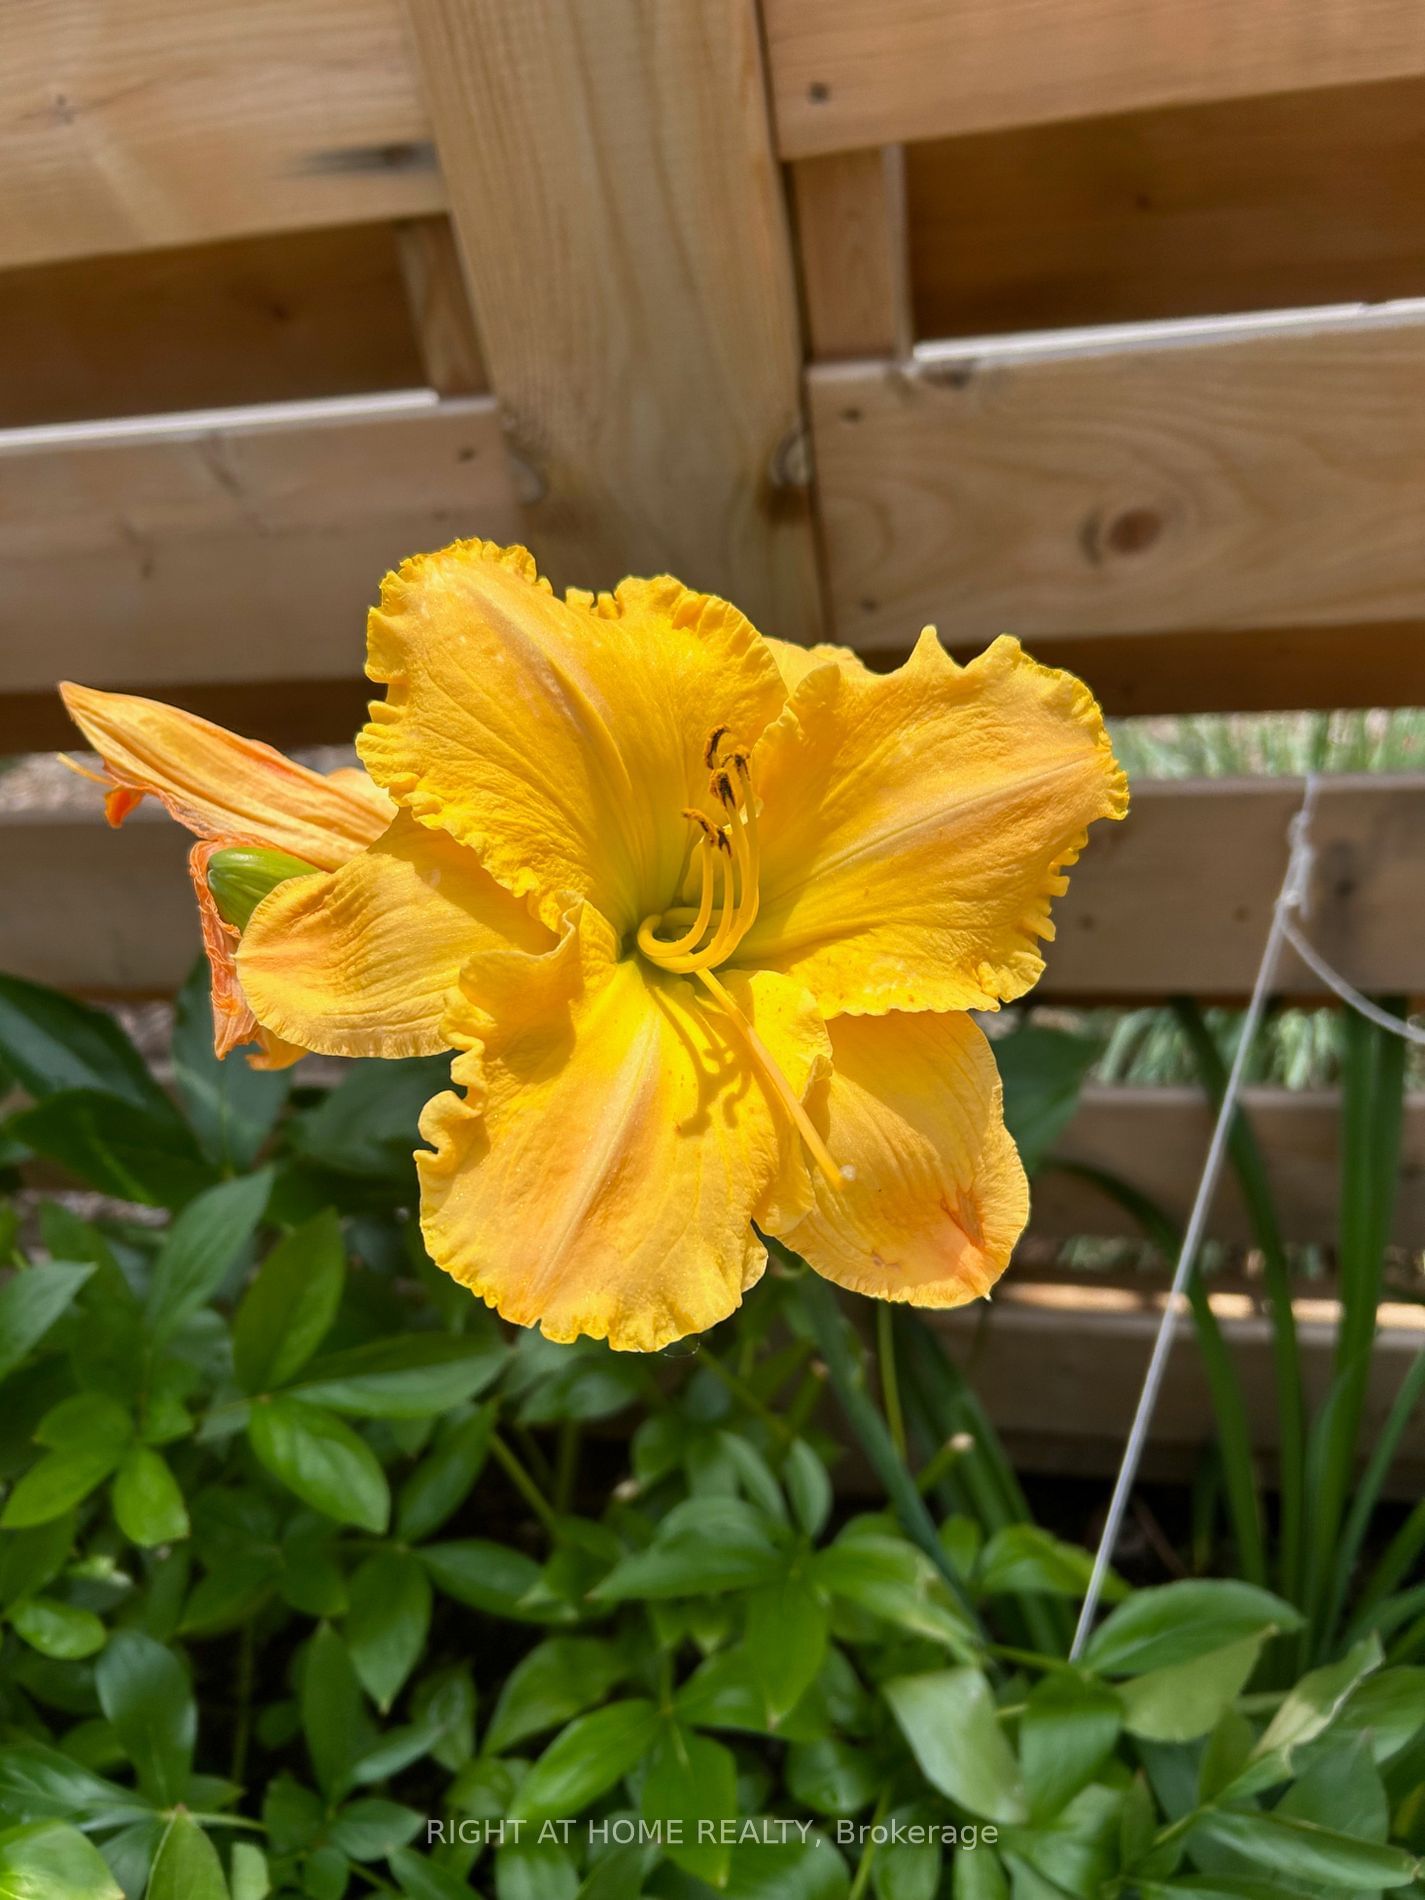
x,y
722,786
709,829
715,739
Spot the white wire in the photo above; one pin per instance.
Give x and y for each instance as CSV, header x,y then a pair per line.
x,y
1290,897
1332,978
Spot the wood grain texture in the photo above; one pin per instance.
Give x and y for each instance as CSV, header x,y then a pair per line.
x,y
444,323
1156,1139
845,74
127,124
1177,898
1255,204
1061,1365
619,211
853,250
1256,481
1174,899
271,319
244,550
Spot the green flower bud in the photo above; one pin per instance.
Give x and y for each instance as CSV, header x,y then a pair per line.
x,y
240,877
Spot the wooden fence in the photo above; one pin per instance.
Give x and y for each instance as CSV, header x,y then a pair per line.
x,y
1094,320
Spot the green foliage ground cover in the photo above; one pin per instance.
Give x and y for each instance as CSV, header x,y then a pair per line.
x,y
315,1580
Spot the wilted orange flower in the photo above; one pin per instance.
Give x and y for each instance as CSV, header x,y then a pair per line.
x,y
701,912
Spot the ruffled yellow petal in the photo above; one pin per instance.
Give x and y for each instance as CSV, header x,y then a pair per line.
x,y
915,826
222,786
936,1195
561,740
613,1146
795,662
360,961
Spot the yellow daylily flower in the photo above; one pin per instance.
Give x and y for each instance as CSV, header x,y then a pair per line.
x,y
702,915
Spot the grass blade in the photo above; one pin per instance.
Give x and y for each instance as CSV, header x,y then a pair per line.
x,y
1251,1174
1239,1476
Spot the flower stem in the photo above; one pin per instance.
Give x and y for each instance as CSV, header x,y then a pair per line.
x,y
524,1484
890,1385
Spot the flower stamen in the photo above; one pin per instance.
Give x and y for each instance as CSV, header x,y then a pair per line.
x,y
736,838
781,1087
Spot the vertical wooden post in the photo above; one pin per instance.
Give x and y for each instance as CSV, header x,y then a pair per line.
x,y
855,253
619,214
440,307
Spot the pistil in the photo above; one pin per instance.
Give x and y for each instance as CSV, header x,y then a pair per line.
x,y
733,846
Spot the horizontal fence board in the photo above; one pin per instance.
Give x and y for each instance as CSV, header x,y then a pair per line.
x,y
1176,899
1232,480
109,913
1255,204
270,319
1173,900
1156,1139
128,124
247,549
845,74
1060,1366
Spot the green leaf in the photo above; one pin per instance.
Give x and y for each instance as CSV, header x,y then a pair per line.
x,y
232,1107
808,1485
556,1681
1307,1852
289,1308
443,1480
702,1546
49,1860
61,1630
249,1878
84,1421
1342,1790
535,1870
978,1876
143,1690
692,1780
116,1147
425,1879
1023,1560
1306,1712
1043,1072
1066,1734
148,1504
203,1243
580,1764
411,1377
787,1625
186,1866
31,1559
1388,1708
387,1623
30,1303
57,1483
332,1717
41,1784
321,1460
367,1124
1185,1700
51,1043
371,1829
1177,1621
483,1576
908,1865
949,1720
832,1777
887,1575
